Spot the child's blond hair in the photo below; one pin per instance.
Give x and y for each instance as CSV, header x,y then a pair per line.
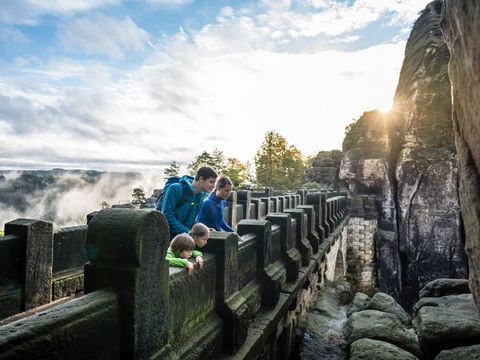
x,y
199,230
182,242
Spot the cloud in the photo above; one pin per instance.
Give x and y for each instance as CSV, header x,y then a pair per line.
x,y
220,86
174,3
292,20
346,39
101,34
10,35
28,12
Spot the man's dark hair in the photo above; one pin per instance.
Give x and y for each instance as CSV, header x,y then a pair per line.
x,y
205,172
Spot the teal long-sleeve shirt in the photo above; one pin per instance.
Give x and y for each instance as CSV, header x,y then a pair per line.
x,y
181,219
174,258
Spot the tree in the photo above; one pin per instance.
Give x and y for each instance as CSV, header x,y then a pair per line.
x,y
172,170
138,197
278,164
311,185
219,163
215,160
294,166
236,171
104,204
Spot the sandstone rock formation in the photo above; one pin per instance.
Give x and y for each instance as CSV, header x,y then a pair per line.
x,y
461,26
382,326
447,322
324,169
408,160
442,287
368,349
429,222
368,158
463,352
384,302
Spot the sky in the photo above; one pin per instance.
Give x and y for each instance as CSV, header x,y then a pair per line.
x,y
134,85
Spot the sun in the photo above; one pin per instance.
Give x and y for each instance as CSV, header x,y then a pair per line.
x,y
384,108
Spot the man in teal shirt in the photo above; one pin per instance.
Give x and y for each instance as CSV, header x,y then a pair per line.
x,y
181,202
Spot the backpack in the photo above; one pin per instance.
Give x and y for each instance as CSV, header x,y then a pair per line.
x,y
172,180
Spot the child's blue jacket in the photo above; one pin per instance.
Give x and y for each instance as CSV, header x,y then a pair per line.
x,y
211,213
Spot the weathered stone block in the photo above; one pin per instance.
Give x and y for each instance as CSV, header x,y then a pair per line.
x,y
463,352
447,322
384,302
368,349
38,238
442,287
383,326
67,284
69,248
83,328
290,254
127,251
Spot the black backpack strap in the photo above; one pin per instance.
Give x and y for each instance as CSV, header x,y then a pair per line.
x,y
185,196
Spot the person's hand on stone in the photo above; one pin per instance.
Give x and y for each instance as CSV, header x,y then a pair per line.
x,y
190,268
199,261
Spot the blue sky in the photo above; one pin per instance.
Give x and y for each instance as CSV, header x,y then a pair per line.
x,y
112,84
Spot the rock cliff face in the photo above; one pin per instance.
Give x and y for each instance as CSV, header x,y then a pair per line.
x,y
429,222
413,160
461,26
369,150
324,170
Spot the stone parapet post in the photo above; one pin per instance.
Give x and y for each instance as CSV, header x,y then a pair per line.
x,y
37,259
315,199
271,274
244,198
312,234
289,252
302,242
232,209
268,205
127,251
329,216
257,213
303,196
229,304
282,202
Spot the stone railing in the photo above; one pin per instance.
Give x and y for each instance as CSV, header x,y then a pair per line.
x,y
134,305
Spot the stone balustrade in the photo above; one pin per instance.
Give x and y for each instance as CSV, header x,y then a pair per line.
x,y
237,305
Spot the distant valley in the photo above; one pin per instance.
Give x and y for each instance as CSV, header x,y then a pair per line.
x,y
66,196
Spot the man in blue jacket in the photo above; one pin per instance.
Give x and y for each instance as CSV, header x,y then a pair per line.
x,y
181,202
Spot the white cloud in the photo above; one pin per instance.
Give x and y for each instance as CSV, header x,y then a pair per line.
x,y
10,35
105,35
346,39
29,11
170,2
69,7
222,86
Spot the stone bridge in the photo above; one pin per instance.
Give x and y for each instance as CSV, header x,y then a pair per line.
x,y
244,303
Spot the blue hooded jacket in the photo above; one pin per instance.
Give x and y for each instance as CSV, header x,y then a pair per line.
x,y
181,219
211,213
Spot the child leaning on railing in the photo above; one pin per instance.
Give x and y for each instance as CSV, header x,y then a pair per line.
x,y
182,247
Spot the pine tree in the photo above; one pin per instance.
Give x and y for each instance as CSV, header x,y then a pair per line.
x,y
216,160
138,197
172,170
